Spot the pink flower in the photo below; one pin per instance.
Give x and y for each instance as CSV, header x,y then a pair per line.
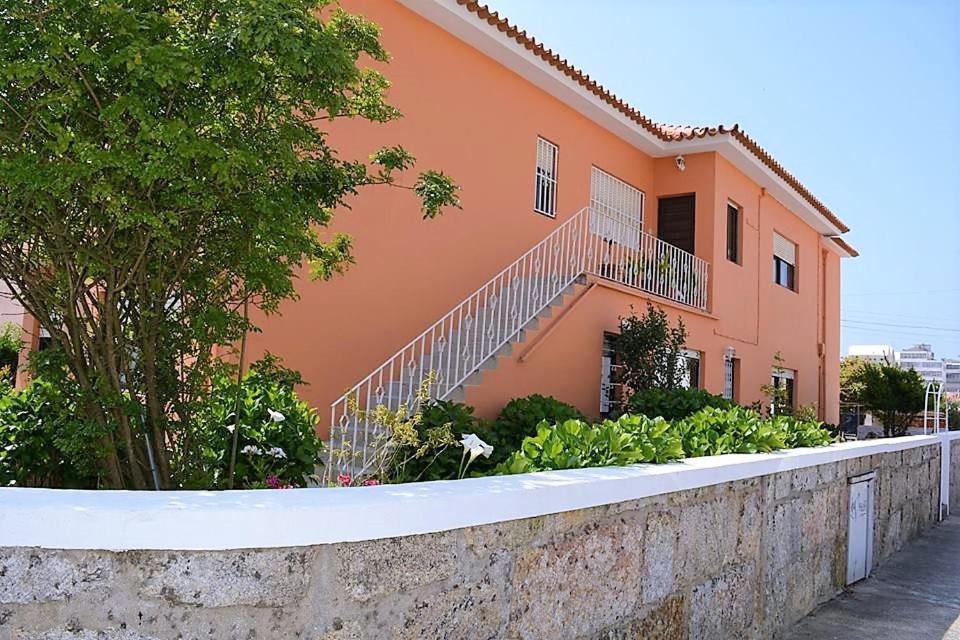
x,y
371,482
344,479
273,482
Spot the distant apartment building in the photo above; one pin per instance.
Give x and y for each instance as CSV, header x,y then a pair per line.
x,y
921,358
875,353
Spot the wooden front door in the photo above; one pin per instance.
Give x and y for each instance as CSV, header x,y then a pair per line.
x,y
676,221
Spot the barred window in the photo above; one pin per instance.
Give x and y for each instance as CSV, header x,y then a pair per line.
x,y
545,194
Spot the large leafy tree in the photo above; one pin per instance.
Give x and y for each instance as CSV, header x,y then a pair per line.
x,y
892,394
164,166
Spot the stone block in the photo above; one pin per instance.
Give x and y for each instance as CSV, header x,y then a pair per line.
x,y
831,472
554,587
724,606
751,525
781,538
375,567
805,479
511,534
911,457
461,612
659,548
665,621
43,575
709,533
257,577
782,485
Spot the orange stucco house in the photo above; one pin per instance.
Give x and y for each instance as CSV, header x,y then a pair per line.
x,y
575,207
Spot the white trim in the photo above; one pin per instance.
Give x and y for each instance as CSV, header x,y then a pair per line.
x,y
831,244
487,39
122,520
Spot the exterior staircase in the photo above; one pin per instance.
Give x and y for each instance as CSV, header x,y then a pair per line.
x,y
453,353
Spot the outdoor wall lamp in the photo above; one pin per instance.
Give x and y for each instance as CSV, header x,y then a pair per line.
x,y
729,353
681,163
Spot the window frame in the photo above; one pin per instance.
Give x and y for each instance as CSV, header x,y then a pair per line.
x,y
734,366
736,235
689,356
546,195
784,271
788,378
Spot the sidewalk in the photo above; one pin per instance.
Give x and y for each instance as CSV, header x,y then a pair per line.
x,y
915,595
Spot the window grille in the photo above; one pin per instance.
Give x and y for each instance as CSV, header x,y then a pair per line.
x,y
545,195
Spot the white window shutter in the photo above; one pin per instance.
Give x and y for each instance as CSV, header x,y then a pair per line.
x,y
784,249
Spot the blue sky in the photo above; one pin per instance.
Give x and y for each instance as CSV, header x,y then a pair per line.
x,y
859,99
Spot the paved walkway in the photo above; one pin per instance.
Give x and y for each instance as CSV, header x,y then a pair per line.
x,y
915,596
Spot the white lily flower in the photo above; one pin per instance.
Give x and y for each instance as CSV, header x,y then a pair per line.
x,y
475,446
231,427
276,416
252,450
277,452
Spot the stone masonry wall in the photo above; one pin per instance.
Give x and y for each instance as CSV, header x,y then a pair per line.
x,y
735,560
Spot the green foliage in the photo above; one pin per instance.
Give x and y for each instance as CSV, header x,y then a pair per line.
x,y
288,448
445,463
712,432
851,379
635,438
892,394
800,432
10,346
778,396
520,418
164,164
649,351
575,444
44,442
674,404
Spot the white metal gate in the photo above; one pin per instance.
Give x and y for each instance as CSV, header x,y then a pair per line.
x,y
860,528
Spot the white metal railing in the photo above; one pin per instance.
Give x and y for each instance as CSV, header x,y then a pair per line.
x,y
453,348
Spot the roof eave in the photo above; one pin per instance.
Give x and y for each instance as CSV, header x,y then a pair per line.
x,y
495,37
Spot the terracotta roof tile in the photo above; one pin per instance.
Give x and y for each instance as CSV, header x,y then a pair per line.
x,y
664,132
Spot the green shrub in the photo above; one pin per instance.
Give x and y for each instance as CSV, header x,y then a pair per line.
x,y
712,431
674,404
445,465
43,442
268,446
520,418
575,444
804,433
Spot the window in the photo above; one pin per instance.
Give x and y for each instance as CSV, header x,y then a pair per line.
x,y
784,262
782,381
44,340
545,195
733,233
690,361
616,209
611,394
729,378
676,221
